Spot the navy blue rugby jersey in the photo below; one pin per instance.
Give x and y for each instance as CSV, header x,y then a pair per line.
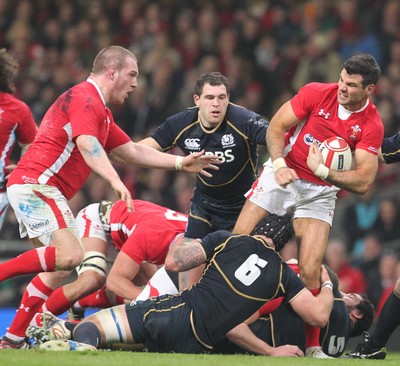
x,y
335,335
391,149
243,272
234,141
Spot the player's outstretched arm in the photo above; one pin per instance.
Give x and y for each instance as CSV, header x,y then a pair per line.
x,y
142,155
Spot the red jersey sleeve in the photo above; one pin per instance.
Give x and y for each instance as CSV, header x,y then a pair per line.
x,y
116,137
373,131
27,128
307,98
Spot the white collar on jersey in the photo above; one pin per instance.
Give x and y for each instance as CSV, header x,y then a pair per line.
x,y
344,114
91,81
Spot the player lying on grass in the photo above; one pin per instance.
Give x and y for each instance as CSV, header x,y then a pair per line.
x,y
351,315
279,324
242,273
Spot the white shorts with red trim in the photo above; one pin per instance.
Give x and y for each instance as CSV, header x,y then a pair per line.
x,y
40,210
89,224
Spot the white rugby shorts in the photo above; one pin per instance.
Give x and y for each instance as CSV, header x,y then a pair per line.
x,y
306,199
89,224
40,209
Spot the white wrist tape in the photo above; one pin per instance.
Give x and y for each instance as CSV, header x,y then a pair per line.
x,y
279,163
327,284
179,163
322,171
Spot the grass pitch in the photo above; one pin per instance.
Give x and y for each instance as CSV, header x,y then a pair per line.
x,y
116,358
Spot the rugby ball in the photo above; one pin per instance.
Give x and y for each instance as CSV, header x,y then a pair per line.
x,y
336,153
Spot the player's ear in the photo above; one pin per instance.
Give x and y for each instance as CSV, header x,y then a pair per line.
x,y
196,99
370,89
356,314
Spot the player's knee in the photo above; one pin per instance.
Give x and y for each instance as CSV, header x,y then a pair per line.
x,y
89,281
68,260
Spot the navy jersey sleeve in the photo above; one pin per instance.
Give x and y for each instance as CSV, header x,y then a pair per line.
x,y
212,240
391,149
252,124
291,283
169,131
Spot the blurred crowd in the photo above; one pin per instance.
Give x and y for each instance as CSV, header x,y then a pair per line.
x,y
268,49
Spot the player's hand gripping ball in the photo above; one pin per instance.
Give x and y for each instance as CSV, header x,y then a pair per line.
x,y
336,153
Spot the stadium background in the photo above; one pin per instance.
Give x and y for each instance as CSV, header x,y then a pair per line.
x,y
267,49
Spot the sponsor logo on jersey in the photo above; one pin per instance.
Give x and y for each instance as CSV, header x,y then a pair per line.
x,y
225,156
193,144
227,140
309,139
355,130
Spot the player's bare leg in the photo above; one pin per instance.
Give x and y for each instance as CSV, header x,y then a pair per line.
x,y
312,237
249,217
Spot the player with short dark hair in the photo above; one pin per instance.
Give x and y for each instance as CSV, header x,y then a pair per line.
x,y
227,130
295,177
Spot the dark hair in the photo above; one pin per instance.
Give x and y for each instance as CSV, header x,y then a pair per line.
x,y
366,308
365,65
8,71
212,78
